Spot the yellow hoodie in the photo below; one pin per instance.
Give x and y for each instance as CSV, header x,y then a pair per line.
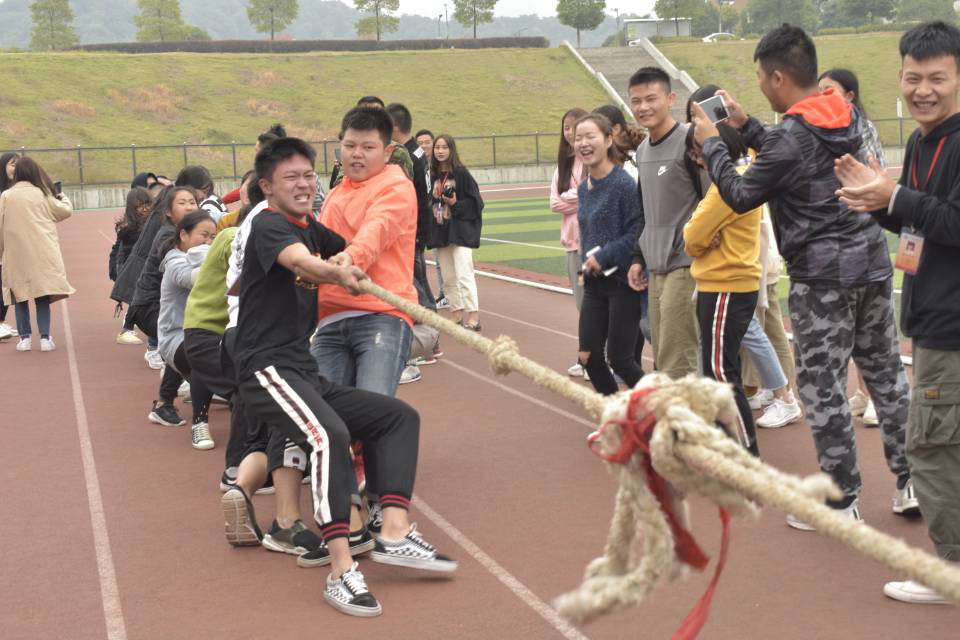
x,y
734,266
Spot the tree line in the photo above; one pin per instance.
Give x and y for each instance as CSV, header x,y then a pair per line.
x,y
162,21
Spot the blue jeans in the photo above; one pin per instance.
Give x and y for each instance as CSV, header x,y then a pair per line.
x,y
367,352
764,356
43,317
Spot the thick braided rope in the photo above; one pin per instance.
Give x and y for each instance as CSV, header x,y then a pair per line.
x,y
693,456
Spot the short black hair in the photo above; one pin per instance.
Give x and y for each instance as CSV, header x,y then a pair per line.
x,y
789,50
931,40
276,151
195,176
649,75
369,119
402,119
425,132
274,132
371,100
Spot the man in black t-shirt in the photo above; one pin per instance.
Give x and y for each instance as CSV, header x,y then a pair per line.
x,y
280,384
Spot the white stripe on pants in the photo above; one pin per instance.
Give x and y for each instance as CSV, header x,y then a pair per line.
x,y
301,415
459,281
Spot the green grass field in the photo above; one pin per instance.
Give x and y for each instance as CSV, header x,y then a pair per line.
x,y
64,100
874,57
525,234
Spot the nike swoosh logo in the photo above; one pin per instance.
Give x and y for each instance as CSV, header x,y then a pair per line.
x,y
662,171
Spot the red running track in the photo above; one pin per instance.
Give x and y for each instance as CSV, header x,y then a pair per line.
x,y
112,525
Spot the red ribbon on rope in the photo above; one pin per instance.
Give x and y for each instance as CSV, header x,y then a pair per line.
x,y
635,434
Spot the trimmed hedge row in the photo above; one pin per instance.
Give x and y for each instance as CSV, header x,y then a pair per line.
x,y
301,46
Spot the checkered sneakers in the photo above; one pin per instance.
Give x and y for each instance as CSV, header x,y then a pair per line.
x,y
349,594
412,552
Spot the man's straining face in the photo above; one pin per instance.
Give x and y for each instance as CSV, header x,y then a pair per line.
x,y
292,188
363,154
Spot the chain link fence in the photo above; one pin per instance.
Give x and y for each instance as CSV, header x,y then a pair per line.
x,y
81,167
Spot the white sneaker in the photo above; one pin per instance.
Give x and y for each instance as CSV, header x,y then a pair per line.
x,y
24,345
912,592
853,511
6,331
201,438
761,399
153,359
576,371
780,414
46,344
905,501
870,415
858,403
128,337
411,373
184,391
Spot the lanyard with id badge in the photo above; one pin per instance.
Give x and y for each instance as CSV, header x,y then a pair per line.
x,y
911,243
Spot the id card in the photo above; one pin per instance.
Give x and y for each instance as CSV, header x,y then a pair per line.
x,y
908,255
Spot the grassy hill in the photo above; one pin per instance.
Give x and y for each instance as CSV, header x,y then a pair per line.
x,y
105,99
873,57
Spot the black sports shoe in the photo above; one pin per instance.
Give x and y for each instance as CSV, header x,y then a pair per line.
x,y
374,517
165,414
360,542
296,540
412,552
239,519
229,479
349,594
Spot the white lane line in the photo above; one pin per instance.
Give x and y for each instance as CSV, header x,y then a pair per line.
x,y
524,244
519,589
109,592
105,236
540,403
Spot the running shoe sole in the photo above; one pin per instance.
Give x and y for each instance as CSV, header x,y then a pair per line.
x,y
238,526
912,508
440,566
901,595
154,418
353,610
204,445
355,550
272,544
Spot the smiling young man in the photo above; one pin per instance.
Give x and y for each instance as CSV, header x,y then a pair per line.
x,y
280,384
924,208
841,280
668,196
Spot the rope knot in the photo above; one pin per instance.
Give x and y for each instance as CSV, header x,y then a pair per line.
x,y
501,355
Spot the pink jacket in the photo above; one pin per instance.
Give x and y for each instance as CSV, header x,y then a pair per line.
x,y
566,204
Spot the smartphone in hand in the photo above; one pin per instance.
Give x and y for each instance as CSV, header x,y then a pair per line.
x,y
715,108
57,188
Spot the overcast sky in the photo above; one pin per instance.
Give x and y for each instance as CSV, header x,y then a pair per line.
x,y
521,7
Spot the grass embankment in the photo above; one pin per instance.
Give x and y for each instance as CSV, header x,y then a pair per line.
x,y
874,57
106,99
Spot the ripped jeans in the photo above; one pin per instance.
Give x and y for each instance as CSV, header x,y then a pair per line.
x,y
367,352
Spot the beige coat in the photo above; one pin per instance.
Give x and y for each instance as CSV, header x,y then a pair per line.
x,y
29,245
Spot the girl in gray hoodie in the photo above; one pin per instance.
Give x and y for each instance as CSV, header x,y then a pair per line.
x,y
183,256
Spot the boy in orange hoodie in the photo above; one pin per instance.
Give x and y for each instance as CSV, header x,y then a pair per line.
x,y
362,341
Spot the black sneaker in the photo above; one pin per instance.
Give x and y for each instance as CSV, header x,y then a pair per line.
x,y
239,519
229,479
296,540
360,542
374,517
349,594
165,414
412,552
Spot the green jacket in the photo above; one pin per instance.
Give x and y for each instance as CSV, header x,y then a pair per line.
x,y
207,304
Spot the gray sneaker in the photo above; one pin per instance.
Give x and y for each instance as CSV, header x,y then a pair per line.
x,y
296,540
853,511
905,501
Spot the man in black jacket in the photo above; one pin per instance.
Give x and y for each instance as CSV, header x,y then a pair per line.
x,y
402,127
841,280
924,208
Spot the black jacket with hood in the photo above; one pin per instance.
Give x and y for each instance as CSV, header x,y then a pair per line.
x,y
126,284
930,307
823,242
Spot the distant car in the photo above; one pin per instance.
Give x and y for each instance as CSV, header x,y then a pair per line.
x,y
722,35
633,43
